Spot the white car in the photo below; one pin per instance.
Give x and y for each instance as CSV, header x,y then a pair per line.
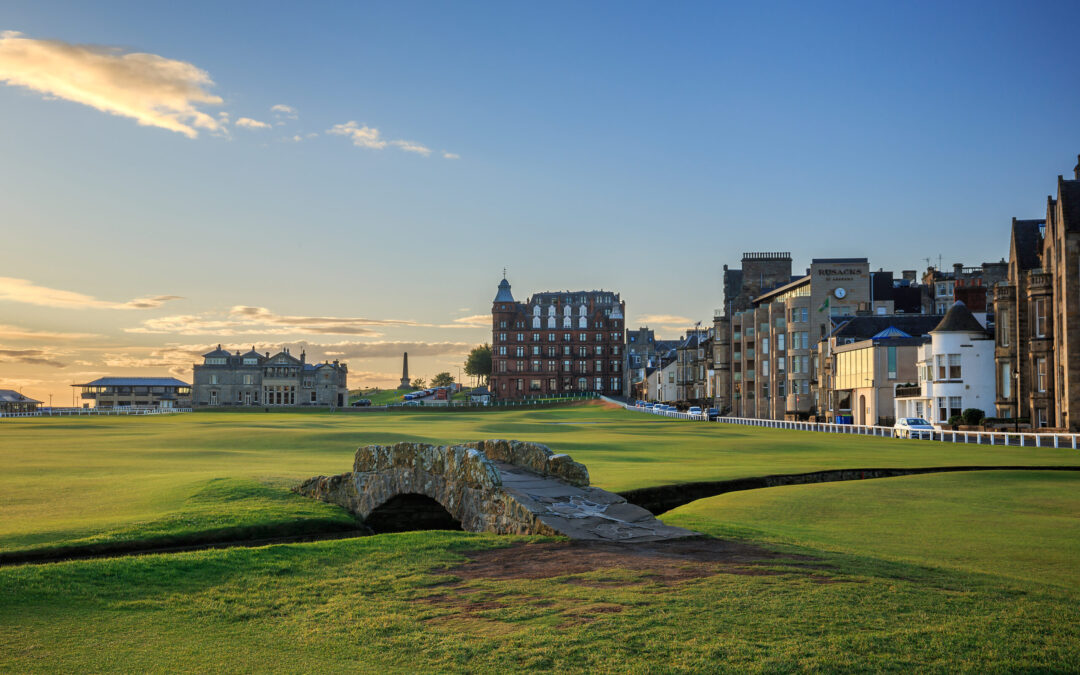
x,y
913,427
694,410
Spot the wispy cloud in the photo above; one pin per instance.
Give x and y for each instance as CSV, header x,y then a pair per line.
x,y
151,89
450,155
282,110
371,138
409,146
26,291
37,357
665,320
249,123
361,136
477,320
17,333
388,349
242,320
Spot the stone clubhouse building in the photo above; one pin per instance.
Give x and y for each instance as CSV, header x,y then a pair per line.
x,y
254,379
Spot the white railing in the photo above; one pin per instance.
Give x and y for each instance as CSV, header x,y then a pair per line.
x,y
697,417
1016,438
68,412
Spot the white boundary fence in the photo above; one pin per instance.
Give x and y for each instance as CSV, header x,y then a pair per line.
x,y
71,412
703,417
1019,439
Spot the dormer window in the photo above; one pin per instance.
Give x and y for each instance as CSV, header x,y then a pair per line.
x,y
250,361
215,361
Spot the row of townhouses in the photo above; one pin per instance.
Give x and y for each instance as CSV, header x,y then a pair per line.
x,y
844,343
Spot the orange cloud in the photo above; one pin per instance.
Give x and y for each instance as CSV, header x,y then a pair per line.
x,y
26,291
151,89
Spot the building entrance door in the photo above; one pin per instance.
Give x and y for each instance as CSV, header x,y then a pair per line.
x,y
862,410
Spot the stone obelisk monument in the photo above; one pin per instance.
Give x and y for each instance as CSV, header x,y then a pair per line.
x,y
405,373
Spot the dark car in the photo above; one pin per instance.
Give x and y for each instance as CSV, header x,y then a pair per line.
x,y
361,403
714,413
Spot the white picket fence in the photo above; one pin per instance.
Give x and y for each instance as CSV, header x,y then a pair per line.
x,y
1019,439
75,412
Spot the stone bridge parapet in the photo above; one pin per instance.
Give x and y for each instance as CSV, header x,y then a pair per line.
x,y
498,486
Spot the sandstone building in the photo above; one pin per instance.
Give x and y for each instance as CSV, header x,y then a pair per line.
x,y
254,379
558,343
1037,354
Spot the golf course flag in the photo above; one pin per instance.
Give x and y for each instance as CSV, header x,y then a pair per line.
x,y
824,305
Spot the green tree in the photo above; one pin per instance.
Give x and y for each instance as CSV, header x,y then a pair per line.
x,y
419,383
478,363
443,379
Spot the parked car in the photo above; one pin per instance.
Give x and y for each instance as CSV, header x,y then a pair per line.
x,y
411,402
361,403
913,427
650,406
714,413
694,410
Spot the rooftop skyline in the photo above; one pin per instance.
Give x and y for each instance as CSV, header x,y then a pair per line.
x,y
353,181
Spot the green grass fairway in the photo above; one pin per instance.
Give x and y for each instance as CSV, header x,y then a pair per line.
x,y
952,572
388,604
71,481
379,396
1020,524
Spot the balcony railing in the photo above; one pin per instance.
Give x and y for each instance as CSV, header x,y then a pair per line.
x,y
909,392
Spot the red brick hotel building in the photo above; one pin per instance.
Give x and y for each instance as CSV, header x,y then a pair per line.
x,y
558,343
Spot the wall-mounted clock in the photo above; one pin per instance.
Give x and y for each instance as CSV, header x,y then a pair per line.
x,y
840,293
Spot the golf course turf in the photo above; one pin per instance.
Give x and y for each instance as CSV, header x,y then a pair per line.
x,y
964,571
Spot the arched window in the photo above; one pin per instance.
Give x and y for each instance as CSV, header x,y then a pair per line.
x,y
536,310
583,322
536,321
566,310
582,310
551,322
566,321
551,310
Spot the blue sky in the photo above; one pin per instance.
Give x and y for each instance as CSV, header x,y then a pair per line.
x,y
628,146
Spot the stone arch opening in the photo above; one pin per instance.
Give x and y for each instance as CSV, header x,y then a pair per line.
x,y
410,511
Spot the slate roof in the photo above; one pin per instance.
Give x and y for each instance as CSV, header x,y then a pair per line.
x,y
134,382
1027,242
504,294
959,319
866,327
12,396
1069,196
218,352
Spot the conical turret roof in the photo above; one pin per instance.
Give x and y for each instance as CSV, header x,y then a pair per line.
x,y
959,319
504,294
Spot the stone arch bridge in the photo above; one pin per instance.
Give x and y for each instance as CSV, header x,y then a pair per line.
x,y
504,487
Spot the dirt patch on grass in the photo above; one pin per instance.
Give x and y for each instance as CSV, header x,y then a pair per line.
x,y
660,562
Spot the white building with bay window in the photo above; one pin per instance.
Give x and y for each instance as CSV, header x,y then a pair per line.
x,y
956,371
